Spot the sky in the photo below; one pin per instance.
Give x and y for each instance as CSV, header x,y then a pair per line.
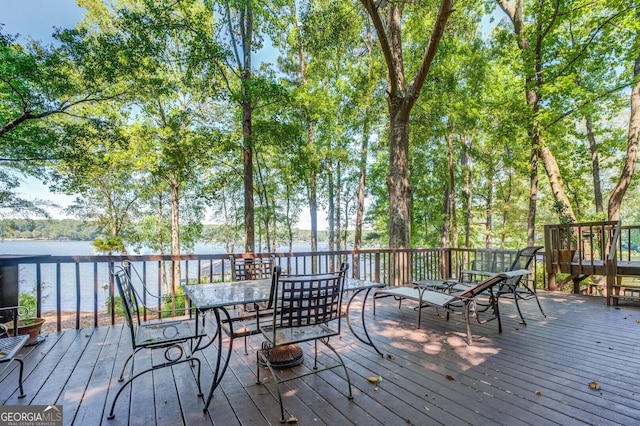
x,y
37,18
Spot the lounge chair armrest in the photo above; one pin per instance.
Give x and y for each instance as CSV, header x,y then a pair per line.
x,y
517,273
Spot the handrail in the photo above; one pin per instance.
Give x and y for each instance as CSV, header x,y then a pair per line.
x,y
614,242
82,286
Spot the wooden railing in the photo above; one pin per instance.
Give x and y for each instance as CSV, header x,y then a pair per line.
x,y
581,250
78,291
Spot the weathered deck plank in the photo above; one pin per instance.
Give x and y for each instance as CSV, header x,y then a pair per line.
x,y
537,374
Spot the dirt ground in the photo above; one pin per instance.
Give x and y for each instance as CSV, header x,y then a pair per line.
x,y
68,320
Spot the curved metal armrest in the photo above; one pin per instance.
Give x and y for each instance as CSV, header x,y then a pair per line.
x,y
18,311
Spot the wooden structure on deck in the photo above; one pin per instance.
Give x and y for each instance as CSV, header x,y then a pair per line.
x,y
604,250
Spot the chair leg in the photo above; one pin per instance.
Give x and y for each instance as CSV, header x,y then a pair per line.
x,y
535,294
20,370
265,360
496,312
262,354
124,367
539,305
515,297
467,317
344,366
200,394
157,367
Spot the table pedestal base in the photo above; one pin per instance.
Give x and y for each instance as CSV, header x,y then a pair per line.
x,y
284,356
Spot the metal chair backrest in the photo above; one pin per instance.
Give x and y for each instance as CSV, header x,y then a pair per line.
x,y
488,265
307,300
129,299
522,261
250,269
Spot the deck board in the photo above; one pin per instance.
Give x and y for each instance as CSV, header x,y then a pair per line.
x,y
537,374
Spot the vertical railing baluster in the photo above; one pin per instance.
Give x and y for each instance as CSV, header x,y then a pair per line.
x,y
95,294
58,298
160,269
39,289
78,296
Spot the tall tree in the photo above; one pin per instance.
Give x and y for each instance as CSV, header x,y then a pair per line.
x,y
615,200
402,93
558,41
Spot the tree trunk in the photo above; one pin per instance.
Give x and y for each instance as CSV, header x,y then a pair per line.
x,y
399,190
332,206
555,180
401,96
313,196
488,226
533,190
453,232
175,236
615,201
444,235
247,131
338,206
313,185
467,162
247,157
532,60
595,165
362,179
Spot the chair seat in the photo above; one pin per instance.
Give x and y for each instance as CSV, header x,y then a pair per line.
x,y
289,335
162,333
246,324
10,346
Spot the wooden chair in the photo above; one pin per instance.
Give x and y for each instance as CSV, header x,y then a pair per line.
x,y
176,338
306,308
467,299
10,346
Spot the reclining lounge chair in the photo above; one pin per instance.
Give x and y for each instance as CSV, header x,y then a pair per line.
x,y
452,302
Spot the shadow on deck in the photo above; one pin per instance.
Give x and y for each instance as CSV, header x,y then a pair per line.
x,y
537,375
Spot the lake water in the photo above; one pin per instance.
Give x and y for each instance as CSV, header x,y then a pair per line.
x,y
70,291
84,248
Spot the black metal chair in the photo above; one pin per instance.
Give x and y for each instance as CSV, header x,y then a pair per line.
x,y
177,338
11,345
306,308
251,268
244,320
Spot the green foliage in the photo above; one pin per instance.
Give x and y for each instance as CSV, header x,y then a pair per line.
x,y
167,306
562,210
118,309
54,229
28,300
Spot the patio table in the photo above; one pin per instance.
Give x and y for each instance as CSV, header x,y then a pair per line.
x,y
217,297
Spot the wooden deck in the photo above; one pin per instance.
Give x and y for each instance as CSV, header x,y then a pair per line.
x,y
537,374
